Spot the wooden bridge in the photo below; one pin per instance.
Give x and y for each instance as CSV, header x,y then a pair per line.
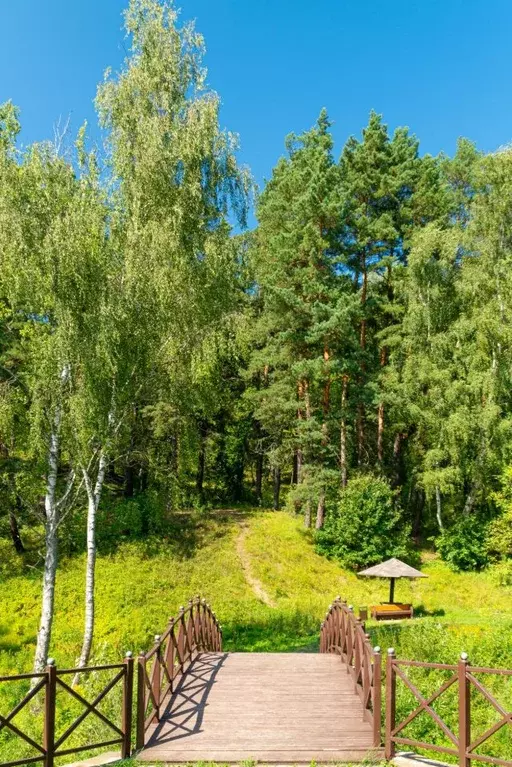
x,y
197,703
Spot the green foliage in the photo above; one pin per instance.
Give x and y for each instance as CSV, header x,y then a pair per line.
x,y
367,525
464,546
499,541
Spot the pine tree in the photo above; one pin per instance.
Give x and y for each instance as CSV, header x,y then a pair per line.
x,y
295,261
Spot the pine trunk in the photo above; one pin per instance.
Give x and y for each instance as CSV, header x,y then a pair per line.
x,y
259,477
360,433
362,343
419,503
277,488
294,476
15,533
380,416
397,460
320,512
201,461
307,514
343,432
299,453
129,479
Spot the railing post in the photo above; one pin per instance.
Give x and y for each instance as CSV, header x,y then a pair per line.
x,y
350,638
216,644
156,677
141,701
127,706
197,624
343,631
358,652
208,627
50,701
377,697
339,614
464,711
390,703
190,629
203,624
181,639
169,656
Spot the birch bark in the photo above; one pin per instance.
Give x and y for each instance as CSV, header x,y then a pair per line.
x,y
51,548
93,502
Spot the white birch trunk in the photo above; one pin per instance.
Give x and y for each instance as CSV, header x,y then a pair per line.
x,y
93,502
470,501
438,509
51,553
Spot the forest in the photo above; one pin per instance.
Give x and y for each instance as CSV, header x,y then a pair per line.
x,y
348,359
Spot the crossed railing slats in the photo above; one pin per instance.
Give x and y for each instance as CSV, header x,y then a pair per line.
x,y
344,634
463,675
49,681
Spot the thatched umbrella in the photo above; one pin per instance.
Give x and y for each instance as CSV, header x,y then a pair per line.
x,y
392,568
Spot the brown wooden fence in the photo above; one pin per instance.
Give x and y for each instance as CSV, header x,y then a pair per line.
x,y
344,634
462,676
54,744
195,630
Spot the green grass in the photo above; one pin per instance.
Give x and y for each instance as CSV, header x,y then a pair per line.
x,y
141,583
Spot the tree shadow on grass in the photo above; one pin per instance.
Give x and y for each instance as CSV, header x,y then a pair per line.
x,y
420,611
181,533
7,645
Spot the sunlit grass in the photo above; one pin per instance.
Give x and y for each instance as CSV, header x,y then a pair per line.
x,y
140,584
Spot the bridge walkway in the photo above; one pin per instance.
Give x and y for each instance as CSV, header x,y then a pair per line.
x,y
288,708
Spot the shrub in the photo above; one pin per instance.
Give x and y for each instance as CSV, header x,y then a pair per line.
x,y
464,546
499,539
366,526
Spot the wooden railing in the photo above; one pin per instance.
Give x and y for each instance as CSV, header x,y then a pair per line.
x,y
53,744
344,634
195,630
463,742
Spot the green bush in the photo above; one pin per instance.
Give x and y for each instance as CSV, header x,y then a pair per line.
x,y
464,546
366,527
499,539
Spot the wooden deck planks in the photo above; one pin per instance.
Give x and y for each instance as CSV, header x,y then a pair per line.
x,y
270,707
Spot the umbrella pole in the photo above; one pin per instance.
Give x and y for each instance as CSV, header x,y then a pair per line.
x,y
392,591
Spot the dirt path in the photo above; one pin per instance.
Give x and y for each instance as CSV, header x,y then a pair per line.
x,y
253,582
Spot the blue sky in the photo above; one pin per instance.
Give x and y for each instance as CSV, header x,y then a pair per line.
x,y
442,67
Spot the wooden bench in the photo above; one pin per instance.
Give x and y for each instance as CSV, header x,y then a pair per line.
x,y
391,612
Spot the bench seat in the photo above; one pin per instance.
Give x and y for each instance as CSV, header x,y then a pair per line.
x,y
391,612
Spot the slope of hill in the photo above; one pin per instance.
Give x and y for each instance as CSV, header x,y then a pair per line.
x,y
270,589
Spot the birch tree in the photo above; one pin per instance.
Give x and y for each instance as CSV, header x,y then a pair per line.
x,y
52,235
174,180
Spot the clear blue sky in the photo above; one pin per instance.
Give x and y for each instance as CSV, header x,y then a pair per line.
x,y
442,67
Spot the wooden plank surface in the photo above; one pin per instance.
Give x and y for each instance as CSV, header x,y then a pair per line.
x,y
270,707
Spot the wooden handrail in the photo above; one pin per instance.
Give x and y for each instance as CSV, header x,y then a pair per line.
x,y
195,630
463,745
344,634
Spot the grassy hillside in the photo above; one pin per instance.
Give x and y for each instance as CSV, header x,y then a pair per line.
x,y
140,584
269,588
